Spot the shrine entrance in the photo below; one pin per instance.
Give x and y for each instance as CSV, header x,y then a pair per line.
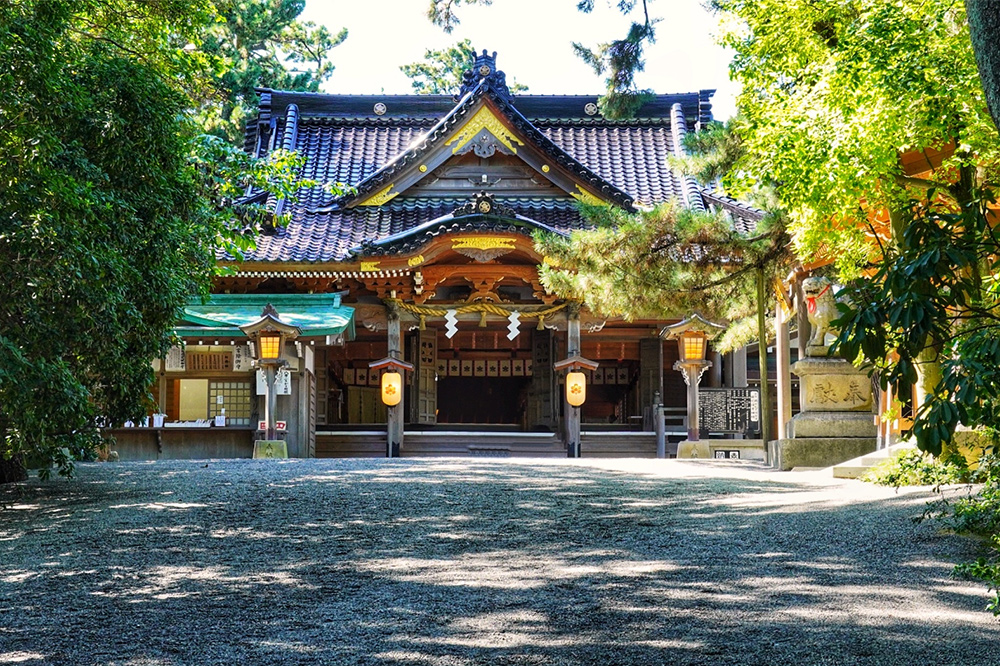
x,y
483,401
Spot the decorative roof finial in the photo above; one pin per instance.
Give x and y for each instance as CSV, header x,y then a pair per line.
x,y
485,69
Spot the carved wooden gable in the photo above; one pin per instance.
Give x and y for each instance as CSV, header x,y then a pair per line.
x,y
485,144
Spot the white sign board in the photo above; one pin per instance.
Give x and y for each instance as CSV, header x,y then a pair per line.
x,y
175,360
310,359
242,358
282,382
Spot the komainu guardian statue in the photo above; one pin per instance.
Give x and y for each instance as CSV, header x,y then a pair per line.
x,y
821,305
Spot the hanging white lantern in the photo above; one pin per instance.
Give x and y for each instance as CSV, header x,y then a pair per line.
x,y
576,388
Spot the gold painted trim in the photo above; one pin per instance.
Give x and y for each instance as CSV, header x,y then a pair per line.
x,y
369,266
381,197
482,243
416,261
583,196
483,119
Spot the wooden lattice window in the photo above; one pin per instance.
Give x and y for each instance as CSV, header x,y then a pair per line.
x,y
211,361
235,399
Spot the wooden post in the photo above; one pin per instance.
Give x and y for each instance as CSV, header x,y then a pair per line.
x,y
783,361
804,331
394,426
660,426
573,349
271,404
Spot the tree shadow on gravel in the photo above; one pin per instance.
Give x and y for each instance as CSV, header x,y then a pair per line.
x,y
457,562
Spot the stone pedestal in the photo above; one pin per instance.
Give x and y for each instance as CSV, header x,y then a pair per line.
x,y
715,449
270,448
835,423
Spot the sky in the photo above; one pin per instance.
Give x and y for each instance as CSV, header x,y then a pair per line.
x,y
532,39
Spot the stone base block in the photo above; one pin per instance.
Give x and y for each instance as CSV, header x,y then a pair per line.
x,y
817,451
832,424
833,385
270,448
716,449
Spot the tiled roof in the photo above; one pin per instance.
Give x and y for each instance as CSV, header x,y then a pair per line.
x,y
319,237
493,88
345,140
631,156
744,216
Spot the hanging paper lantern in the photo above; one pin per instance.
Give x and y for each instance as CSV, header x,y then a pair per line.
x,y
576,388
392,388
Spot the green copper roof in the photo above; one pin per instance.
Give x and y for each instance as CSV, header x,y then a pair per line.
x,y
223,314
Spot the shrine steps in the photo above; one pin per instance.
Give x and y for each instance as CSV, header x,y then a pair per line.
x,y
439,443
618,444
853,469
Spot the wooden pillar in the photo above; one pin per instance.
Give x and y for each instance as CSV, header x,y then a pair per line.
x,y
573,349
715,372
739,370
394,429
804,331
783,361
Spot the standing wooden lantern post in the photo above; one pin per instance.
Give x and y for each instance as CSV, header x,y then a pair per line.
x,y
576,394
392,397
692,335
269,335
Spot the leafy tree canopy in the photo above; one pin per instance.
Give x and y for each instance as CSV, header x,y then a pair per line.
x,y
619,59
834,96
834,93
665,263
261,43
440,72
110,220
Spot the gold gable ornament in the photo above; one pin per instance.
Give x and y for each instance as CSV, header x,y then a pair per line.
x,y
583,196
483,119
483,248
382,196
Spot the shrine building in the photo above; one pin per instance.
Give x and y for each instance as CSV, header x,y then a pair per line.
x,y
429,258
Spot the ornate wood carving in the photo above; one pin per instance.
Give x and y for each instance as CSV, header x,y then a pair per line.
x,y
382,196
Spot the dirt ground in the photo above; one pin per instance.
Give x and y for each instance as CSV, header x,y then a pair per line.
x,y
454,562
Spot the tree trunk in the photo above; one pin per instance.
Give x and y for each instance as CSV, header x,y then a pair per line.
x,y
766,431
984,28
12,470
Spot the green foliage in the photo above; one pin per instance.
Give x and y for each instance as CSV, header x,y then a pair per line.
x,y
260,43
442,12
712,152
225,172
832,93
619,59
937,289
978,514
441,72
917,468
95,191
664,263
109,223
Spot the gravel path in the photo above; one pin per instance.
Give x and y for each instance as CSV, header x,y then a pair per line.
x,y
452,562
